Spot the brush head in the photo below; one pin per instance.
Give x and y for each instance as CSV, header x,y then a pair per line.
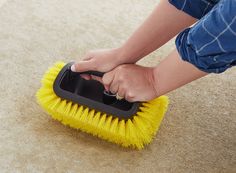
x,y
136,131
91,93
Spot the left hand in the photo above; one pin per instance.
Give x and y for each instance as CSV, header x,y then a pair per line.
x,y
132,82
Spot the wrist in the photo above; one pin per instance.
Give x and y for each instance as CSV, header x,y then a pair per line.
x,y
126,56
153,81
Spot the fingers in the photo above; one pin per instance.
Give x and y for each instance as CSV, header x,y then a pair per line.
x,y
117,83
83,66
114,86
113,83
120,93
86,76
107,79
86,64
129,96
125,92
96,78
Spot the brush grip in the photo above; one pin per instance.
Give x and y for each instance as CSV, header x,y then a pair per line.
x,y
99,74
107,94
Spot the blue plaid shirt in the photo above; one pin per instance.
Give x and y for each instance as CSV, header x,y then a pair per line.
x,y
210,44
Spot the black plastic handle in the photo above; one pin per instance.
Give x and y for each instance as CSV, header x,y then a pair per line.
x,y
94,73
71,87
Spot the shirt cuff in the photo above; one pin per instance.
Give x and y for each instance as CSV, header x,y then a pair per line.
x,y
209,63
195,8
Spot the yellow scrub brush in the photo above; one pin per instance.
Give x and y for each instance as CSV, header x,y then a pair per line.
x,y
83,104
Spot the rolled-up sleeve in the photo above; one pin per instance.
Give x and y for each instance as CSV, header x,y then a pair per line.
x,y
210,44
195,8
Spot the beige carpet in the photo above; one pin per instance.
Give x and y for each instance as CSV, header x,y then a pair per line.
x,y
197,134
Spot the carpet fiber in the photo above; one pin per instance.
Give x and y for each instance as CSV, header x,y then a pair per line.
x,y
197,134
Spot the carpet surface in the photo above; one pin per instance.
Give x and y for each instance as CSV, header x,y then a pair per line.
x,y
196,135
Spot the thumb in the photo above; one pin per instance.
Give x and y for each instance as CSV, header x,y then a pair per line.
x,y
82,66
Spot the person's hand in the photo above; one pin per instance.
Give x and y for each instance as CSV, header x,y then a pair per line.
x,y
102,60
132,82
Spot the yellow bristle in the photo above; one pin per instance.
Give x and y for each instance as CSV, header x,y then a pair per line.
x,y
107,123
72,113
84,116
136,132
96,119
100,126
106,127
114,125
90,117
79,114
121,130
130,132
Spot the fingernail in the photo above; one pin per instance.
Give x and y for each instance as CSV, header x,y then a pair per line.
x,y
73,68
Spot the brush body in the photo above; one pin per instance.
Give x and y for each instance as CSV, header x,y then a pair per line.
x,y
136,131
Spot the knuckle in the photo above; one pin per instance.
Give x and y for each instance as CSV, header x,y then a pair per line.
x,y
130,99
130,95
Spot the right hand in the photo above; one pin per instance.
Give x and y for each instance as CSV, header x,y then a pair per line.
x,y
103,60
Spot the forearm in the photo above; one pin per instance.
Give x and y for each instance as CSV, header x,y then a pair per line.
x,y
162,25
173,73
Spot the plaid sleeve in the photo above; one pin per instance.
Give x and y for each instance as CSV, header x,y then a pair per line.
x,y
195,8
210,43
